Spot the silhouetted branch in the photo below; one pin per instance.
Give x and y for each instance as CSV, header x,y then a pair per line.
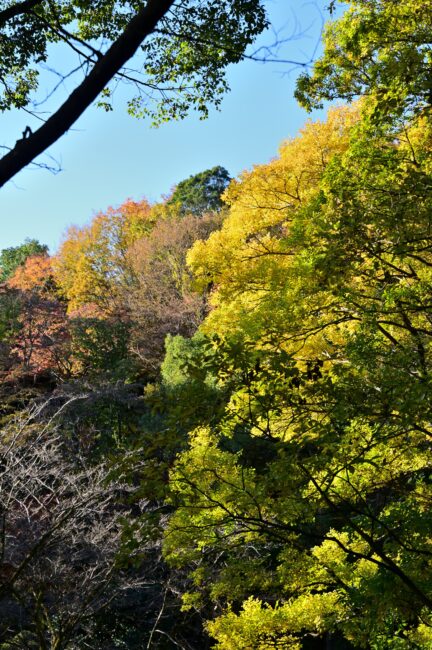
x,y
28,148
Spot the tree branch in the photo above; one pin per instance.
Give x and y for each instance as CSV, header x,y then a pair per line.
x,y
18,9
27,149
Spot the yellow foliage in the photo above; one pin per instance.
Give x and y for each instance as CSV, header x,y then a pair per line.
x,y
422,636
264,200
251,258
91,265
261,627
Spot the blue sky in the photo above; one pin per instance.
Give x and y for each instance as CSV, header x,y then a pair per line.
x,y
109,157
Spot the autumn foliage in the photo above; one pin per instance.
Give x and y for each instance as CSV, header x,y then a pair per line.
x,y
106,301
256,367
90,267
35,274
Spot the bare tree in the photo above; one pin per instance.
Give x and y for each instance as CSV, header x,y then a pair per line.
x,y
162,300
60,535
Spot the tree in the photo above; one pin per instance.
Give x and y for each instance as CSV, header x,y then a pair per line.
x,y
36,274
202,192
301,512
248,260
99,347
10,310
61,529
377,48
16,256
36,337
35,327
91,267
126,284
39,348
162,299
186,46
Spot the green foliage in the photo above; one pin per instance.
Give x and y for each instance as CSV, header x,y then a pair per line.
x,y
189,394
315,477
15,256
10,309
378,48
202,192
191,53
100,348
183,61
181,356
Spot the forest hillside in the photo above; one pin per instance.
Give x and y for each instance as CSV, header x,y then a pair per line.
x,y
216,409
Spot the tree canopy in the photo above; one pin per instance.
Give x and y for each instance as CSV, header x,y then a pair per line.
x,y
182,50
202,192
378,48
312,484
15,256
301,511
253,382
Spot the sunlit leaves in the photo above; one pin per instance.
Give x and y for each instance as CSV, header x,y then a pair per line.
x,y
321,334
253,257
377,48
181,65
91,266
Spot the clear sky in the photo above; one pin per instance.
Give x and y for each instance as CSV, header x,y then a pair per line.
x,y
109,157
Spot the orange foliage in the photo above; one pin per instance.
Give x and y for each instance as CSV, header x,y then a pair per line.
x,y
40,345
35,273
